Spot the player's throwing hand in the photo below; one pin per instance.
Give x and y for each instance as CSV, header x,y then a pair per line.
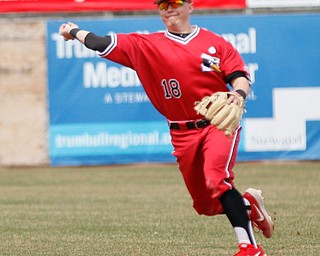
x,y
65,29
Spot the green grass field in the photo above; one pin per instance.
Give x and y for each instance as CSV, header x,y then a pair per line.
x,y
146,210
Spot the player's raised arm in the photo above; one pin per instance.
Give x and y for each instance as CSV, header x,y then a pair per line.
x,y
71,31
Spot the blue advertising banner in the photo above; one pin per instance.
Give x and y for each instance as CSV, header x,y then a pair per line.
x,y
100,114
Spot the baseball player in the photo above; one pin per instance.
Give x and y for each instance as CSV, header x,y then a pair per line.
x,y
205,154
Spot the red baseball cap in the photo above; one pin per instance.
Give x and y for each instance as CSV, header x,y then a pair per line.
x,y
159,1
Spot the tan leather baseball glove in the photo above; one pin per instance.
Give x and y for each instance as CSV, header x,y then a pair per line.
x,y
224,116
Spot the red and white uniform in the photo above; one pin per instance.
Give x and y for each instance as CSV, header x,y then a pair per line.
x,y
171,71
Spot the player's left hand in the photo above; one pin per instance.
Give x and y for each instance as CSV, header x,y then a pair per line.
x,y
223,109
235,98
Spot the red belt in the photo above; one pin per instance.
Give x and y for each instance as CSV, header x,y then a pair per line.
x,y
188,125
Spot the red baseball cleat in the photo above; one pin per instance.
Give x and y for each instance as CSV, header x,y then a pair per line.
x,y
259,216
250,250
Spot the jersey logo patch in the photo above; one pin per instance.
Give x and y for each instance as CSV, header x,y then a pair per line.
x,y
210,63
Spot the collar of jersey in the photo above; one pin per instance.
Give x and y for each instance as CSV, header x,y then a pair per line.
x,y
185,40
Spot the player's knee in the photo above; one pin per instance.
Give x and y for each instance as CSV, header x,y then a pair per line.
x,y
208,207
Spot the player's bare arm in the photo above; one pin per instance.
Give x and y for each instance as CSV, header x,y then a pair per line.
x,y
241,86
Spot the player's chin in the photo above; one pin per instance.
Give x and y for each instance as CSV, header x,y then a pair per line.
x,y
172,23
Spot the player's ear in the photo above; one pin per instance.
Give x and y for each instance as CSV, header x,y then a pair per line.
x,y
191,7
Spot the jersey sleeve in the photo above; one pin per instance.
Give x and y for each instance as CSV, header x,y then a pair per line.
x,y
123,49
232,62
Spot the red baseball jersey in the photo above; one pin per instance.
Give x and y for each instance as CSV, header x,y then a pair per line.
x,y
171,68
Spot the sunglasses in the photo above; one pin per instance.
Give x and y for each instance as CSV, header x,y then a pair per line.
x,y
163,6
